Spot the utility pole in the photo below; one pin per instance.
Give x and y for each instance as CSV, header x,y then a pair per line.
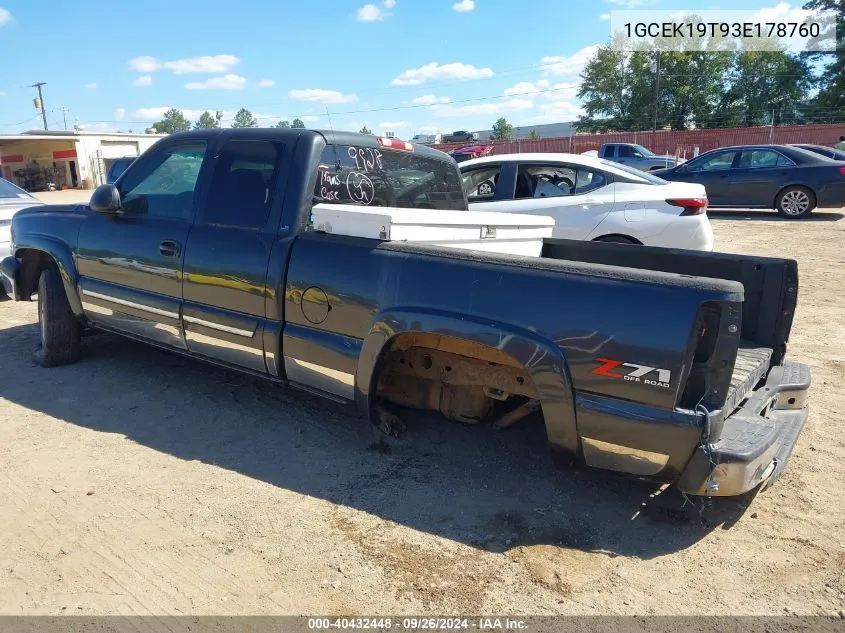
x,y
64,115
656,90
40,102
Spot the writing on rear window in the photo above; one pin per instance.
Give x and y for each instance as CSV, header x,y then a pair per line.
x,y
387,178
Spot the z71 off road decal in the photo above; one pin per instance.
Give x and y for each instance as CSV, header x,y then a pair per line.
x,y
653,376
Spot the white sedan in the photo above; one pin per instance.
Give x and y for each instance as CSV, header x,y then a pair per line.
x,y
591,199
12,200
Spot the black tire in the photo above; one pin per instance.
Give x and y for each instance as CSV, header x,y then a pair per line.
x,y
58,328
795,202
617,239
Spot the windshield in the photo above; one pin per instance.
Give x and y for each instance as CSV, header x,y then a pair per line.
x,y
637,173
388,178
8,190
642,150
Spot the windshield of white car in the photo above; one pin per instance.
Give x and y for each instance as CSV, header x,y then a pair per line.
x,y
644,176
8,190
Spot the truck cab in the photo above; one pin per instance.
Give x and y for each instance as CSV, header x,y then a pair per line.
x,y
636,156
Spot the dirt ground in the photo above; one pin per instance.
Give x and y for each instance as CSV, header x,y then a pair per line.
x,y
138,482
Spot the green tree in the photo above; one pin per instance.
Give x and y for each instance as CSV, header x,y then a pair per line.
x,y
208,120
298,124
244,118
533,135
502,130
365,130
829,102
282,125
172,121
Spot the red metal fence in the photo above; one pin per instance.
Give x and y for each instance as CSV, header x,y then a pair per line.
x,y
682,143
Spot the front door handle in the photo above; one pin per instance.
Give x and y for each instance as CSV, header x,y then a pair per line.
x,y
170,248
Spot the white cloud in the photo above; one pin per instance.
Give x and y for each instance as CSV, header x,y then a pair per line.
x,y
571,66
389,3
631,4
464,6
119,113
91,86
2,94
558,111
322,96
309,118
524,87
226,82
604,16
372,13
389,126
781,12
5,17
143,81
266,83
201,64
429,100
435,71
493,107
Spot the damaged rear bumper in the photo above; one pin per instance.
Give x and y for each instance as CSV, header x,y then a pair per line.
x,y
755,443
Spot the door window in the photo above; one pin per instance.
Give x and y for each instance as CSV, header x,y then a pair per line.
x,y
717,162
164,184
763,158
550,181
242,184
626,151
480,184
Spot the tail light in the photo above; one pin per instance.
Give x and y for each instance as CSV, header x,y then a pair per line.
x,y
842,170
692,206
395,143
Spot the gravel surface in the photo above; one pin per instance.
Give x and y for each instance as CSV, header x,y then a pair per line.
x,y
139,482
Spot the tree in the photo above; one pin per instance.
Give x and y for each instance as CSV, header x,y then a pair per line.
x,y
366,130
171,122
533,135
502,130
284,125
244,118
829,102
298,124
208,120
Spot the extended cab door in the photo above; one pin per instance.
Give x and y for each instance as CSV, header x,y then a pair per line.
x,y
130,264
227,255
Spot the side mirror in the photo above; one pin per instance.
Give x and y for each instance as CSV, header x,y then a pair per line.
x,y
106,199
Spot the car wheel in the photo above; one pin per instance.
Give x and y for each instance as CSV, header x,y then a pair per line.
x,y
795,202
58,328
618,239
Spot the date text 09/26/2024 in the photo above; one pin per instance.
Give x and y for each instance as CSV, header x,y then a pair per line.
x,y
418,624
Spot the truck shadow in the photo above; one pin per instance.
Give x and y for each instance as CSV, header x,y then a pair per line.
x,y
772,216
491,490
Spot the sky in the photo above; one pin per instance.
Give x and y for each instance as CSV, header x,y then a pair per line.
x,y
402,66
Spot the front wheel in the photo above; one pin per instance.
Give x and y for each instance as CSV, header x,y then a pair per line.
x,y
59,330
795,202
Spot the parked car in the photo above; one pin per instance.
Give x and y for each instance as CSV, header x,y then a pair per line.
x,y
790,179
823,150
635,155
470,151
460,136
428,139
12,200
591,199
635,368
117,167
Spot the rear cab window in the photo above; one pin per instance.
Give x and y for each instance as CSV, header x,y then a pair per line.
x,y
382,177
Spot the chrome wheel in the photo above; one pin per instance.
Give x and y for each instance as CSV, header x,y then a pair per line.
x,y
795,202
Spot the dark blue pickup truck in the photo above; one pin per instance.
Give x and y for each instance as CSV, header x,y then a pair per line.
x,y
658,363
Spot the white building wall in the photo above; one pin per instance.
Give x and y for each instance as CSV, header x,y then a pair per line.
x,y
93,149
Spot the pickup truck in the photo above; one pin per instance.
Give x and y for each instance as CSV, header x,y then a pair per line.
x,y
658,363
460,136
636,156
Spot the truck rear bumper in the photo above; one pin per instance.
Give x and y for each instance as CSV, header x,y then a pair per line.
x,y
755,443
8,273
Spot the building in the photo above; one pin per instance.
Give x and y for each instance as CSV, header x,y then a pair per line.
x,y
40,160
547,130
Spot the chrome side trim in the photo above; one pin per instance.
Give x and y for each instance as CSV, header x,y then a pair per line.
x,y
218,326
622,458
130,304
323,378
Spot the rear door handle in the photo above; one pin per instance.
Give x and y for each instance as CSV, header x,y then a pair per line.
x,y
170,248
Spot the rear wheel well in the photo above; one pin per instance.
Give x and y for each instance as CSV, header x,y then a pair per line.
x,y
462,379
33,262
618,238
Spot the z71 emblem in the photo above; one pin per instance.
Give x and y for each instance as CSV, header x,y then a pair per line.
x,y
639,373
